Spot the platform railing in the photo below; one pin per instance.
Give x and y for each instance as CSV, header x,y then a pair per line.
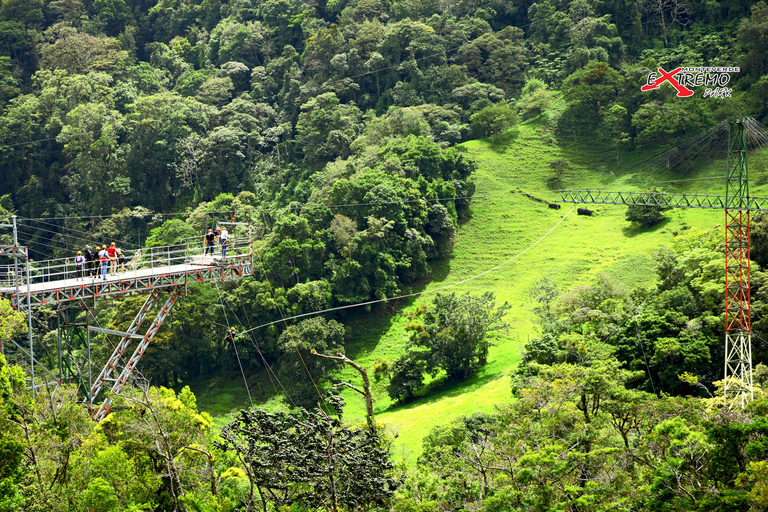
x,y
196,247
157,259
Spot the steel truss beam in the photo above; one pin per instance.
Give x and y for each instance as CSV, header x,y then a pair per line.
x,y
112,331
130,285
13,250
120,348
128,367
658,199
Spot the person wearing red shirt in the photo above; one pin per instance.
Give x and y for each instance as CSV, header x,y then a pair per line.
x,y
112,255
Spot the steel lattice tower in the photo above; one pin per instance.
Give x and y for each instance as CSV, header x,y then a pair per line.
x,y
737,203
737,387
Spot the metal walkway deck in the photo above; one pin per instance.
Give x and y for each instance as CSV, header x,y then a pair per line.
x,y
156,272
128,282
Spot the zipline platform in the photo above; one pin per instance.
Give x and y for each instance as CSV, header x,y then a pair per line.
x,y
150,271
66,287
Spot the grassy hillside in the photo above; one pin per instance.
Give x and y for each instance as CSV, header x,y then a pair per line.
x,y
503,224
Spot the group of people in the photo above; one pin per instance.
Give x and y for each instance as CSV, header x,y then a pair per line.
x,y
104,261
98,262
222,235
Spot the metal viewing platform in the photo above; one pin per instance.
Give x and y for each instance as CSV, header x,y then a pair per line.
x,y
56,281
72,289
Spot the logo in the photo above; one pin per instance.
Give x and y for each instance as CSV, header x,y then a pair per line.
x,y
685,79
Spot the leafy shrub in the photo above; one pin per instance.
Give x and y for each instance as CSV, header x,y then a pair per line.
x,y
493,121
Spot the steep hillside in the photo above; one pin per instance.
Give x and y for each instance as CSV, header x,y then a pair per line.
x,y
503,224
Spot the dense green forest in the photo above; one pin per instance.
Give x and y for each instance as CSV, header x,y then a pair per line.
x,y
332,128
336,129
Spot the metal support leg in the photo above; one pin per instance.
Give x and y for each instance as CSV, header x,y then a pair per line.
x,y
142,346
120,348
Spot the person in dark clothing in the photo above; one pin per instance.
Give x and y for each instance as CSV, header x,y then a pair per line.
x,y
210,240
120,259
89,259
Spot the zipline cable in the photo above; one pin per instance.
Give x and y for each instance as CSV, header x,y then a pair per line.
x,y
295,345
642,348
91,236
306,206
405,296
270,371
234,345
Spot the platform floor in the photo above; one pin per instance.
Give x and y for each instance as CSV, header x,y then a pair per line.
x,y
197,263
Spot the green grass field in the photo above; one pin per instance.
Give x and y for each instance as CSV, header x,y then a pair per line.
x,y
505,224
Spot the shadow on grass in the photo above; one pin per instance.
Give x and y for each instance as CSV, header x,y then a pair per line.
x,y
500,143
368,328
225,391
635,229
441,388
538,119
467,215
440,271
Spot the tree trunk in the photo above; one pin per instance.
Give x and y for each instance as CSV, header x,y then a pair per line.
x,y
366,391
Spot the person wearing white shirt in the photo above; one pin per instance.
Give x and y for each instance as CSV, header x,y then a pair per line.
x,y
223,239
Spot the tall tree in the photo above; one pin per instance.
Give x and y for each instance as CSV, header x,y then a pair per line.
x,y
305,373
310,458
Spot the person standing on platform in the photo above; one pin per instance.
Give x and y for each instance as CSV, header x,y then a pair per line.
x,y
210,240
103,261
120,258
80,264
112,255
223,240
89,257
136,258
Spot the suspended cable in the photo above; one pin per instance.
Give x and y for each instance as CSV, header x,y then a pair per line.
x,y
321,402
642,348
26,143
270,371
61,244
405,296
653,291
686,152
307,206
89,234
234,345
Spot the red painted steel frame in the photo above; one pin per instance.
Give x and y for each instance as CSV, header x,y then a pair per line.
x,y
737,274
127,371
133,285
737,384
